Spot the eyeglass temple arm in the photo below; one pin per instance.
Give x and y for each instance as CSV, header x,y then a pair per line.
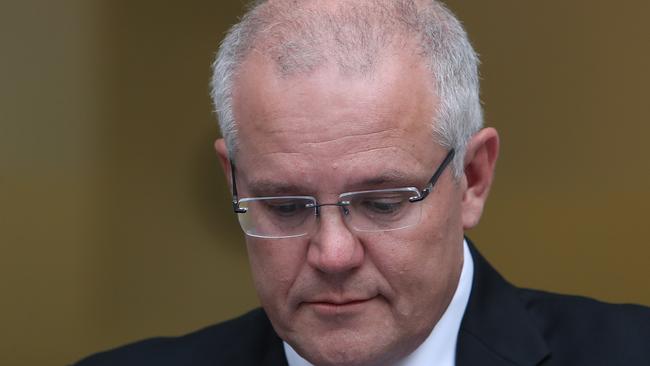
x,y
235,197
426,190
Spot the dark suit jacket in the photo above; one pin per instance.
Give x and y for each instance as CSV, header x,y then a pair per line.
x,y
503,325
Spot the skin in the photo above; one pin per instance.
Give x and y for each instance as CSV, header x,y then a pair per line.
x,y
337,296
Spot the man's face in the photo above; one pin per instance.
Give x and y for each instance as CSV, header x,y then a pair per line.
x,y
339,296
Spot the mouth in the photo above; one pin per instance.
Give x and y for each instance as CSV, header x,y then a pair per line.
x,y
332,307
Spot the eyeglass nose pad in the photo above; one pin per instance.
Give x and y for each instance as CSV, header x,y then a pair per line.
x,y
345,207
315,207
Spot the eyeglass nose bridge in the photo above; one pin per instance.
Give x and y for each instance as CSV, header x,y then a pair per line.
x,y
343,204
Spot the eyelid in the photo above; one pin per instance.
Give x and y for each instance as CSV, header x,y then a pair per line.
x,y
246,199
399,189
342,196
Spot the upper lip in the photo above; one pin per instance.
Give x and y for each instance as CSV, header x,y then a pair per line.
x,y
337,300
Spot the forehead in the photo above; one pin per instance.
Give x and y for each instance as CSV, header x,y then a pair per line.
x,y
334,121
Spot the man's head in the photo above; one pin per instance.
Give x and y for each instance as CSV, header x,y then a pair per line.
x,y
318,98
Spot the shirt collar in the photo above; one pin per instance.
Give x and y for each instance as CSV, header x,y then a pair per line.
x,y
439,348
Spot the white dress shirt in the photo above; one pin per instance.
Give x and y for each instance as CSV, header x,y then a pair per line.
x,y
439,348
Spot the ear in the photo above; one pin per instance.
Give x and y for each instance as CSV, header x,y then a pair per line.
x,y
224,159
480,160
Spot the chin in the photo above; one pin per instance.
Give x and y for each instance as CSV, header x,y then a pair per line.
x,y
347,347
344,356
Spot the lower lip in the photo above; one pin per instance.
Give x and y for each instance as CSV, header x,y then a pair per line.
x,y
328,308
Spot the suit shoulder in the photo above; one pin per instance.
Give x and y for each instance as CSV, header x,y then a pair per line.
x,y
581,308
588,324
242,340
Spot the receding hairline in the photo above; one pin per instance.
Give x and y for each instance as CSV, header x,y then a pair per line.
x,y
352,35
443,42
403,46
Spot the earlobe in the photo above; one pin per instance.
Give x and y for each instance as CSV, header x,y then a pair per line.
x,y
480,160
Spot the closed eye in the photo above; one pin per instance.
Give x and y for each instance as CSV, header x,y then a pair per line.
x,y
385,204
285,208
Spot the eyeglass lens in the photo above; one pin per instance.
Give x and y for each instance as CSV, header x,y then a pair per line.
x,y
282,217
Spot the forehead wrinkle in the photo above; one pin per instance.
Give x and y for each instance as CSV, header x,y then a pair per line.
x,y
378,117
294,128
391,178
350,158
378,135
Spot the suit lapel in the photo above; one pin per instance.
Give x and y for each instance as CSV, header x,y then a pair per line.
x,y
274,355
496,329
271,352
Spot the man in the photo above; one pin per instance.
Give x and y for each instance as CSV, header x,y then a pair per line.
x,y
354,147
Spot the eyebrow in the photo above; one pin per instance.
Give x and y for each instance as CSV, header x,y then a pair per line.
x,y
387,179
267,188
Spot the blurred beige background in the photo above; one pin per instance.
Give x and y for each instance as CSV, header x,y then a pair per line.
x,y
114,216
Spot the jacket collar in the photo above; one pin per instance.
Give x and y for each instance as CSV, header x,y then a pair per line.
x,y
496,328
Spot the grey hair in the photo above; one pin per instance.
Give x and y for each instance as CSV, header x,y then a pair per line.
x,y
300,39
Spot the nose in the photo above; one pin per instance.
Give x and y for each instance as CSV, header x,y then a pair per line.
x,y
334,249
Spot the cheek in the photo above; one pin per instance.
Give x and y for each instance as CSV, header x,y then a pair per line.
x,y
274,266
423,263
417,265
442,218
423,277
